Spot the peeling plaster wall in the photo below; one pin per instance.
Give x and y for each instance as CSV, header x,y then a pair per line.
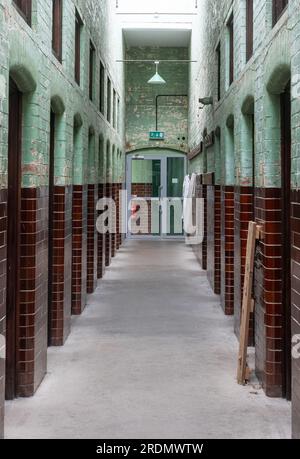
x,y
141,98
256,91
26,49
274,49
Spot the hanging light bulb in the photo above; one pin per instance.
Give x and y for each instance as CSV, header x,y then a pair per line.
x,y
157,79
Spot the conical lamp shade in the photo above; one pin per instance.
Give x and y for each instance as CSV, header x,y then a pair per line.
x,y
157,79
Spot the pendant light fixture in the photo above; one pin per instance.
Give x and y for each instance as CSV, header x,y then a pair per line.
x,y
157,79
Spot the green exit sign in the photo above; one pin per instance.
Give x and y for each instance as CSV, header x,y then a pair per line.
x,y
157,135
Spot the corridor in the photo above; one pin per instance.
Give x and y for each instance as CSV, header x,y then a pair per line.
x,y
152,356
127,127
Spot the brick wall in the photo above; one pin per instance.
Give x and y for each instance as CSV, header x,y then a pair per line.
x,y
211,261
141,99
142,190
203,196
119,188
92,239
3,226
217,210
61,288
117,198
244,213
32,334
214,237
269,331
101,240
79,249
227,249
122,236
114,217
254,92
108,240
295,215
26,56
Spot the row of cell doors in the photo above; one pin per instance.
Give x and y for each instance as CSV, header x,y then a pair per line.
x,y
155,189
282,108
149,176
13,268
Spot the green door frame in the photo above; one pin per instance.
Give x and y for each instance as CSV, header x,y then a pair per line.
x,y
163,156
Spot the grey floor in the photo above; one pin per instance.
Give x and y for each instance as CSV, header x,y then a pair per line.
x,y
151,357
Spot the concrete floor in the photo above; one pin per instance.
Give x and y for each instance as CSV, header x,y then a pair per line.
x,y
151,357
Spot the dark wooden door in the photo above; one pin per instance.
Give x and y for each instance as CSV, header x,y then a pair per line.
x,y
252,127
249,29
51,216
13,236
253,156
286,206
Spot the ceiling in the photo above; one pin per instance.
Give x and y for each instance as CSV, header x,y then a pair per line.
x,y
161,6
167,37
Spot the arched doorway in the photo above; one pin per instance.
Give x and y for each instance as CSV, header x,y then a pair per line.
x,y
101,195
285,131
227,219
273,266
13,236
108,191
244,206
79,217
59,287
22,87
154,185
92,248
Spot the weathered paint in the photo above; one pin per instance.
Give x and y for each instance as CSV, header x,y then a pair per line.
x,y
275,60
141,99
26,53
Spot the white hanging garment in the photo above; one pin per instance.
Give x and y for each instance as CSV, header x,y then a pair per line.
x,y
186,189
188,206
186,186
192,188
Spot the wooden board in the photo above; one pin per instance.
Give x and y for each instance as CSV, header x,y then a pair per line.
x,y
247,307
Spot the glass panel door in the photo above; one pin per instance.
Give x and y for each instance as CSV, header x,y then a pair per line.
x,y
175,179
155,185
145,193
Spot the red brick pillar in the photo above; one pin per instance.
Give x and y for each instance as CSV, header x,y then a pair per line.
x,y
118,216
121,236
218,219
108,238
92,248
207,180
31,355
60,298
295,209
79,249
101,239
227,249
214,237
197,248
113,235
3,231
269,329
211,235
244,213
